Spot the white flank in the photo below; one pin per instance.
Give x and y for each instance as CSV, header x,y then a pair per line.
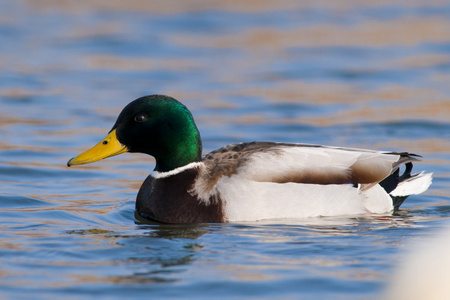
x,y
414,185
158,175
247,200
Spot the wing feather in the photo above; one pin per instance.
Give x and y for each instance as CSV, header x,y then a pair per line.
x,y
300,163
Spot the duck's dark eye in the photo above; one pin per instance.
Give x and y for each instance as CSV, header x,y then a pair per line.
x,y
140,118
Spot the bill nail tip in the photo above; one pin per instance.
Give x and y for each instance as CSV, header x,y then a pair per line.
x,y
68,163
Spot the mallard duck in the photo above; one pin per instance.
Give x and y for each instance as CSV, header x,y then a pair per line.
x,y
249,181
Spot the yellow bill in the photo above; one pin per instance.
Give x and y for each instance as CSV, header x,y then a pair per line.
x,y
107,147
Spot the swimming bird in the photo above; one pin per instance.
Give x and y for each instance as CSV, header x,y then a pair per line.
x,y
249,181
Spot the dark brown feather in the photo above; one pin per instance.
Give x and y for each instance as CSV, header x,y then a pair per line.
x,y
168,200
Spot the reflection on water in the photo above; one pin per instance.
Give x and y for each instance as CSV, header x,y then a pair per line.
x,y
369,74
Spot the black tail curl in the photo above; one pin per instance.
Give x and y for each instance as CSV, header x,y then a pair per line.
x,y
391,182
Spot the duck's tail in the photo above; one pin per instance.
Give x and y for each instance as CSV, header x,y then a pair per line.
x,y
400,187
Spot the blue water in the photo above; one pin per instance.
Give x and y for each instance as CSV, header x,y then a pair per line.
x,y
336,73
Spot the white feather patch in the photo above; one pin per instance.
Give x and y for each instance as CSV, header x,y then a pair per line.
x,y
202,188
376,200
413,186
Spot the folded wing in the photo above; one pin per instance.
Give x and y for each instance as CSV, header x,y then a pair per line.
x,y
282,163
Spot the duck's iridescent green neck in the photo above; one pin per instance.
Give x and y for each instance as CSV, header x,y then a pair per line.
x,y
180,147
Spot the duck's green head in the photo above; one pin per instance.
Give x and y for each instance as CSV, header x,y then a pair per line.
x,y
157,125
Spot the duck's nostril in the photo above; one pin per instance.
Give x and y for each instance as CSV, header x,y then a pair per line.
x,y
105,142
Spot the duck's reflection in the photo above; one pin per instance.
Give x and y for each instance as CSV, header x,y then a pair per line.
x,y
172,231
